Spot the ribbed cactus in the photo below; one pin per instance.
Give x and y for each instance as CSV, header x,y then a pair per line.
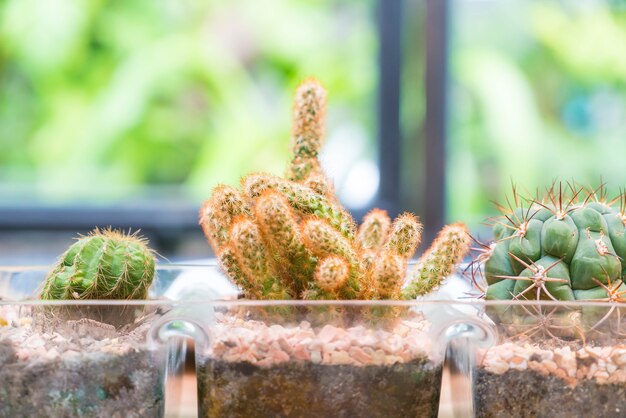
x,y
568,245
284,238
106,264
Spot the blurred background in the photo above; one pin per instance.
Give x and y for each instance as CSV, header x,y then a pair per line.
x,y
127,112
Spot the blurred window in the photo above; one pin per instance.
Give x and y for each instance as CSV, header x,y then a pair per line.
x,y
121,100
538,93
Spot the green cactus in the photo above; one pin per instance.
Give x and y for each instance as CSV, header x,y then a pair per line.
x,y
388,276
303,199
293,262
438,261
569,245
309,111
323,241
390,262
106,264
285,238
374,230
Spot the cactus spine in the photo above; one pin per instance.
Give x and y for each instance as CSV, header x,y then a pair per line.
x,y
106,264
448,249
309,111
568,245
283,238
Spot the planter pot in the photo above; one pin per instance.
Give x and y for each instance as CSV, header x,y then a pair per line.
x,y
83,358
306,359
553,360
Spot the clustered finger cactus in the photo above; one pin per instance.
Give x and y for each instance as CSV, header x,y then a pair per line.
x,y
289,238
568,245
106,264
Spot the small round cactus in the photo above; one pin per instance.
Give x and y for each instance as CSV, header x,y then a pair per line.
x,y
106,264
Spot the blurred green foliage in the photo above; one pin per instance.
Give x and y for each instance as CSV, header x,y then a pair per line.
x,y
539,93
99,96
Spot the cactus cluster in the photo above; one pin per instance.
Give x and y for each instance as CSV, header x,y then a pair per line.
x,y
569,244
106,264
289,238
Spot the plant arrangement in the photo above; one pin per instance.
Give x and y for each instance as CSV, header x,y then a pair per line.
x,y
568,245
84,360
289,238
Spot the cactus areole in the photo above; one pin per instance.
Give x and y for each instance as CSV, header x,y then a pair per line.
x,y
106,264
568,245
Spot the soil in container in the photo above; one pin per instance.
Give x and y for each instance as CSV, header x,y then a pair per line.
x,y
257,368
82,368
528,381
304,389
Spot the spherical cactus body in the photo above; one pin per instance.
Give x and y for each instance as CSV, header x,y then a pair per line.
x,y
106,264
562,248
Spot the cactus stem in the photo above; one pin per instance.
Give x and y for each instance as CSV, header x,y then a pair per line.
x,y
331,274
374,230
448,249
105,264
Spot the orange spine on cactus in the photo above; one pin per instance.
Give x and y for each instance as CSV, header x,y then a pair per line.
x,y
446,252
255,184
303,199
405,235
368,262
323,240
249,248
371,238
331,274
227,260
307,167
252,258
309,112
217,214
389,269
374,230
319,183
280,230
210,228
389,273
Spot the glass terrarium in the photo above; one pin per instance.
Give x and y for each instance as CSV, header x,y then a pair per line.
x,y
88,358
550,359
321,358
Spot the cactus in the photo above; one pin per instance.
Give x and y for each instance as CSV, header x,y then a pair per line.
x,y
285,238
373,230
568,245
444,254
331,274
309,111
106,264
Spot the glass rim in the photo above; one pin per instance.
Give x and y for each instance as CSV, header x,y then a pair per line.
x,y
159,266
211,263
190,302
